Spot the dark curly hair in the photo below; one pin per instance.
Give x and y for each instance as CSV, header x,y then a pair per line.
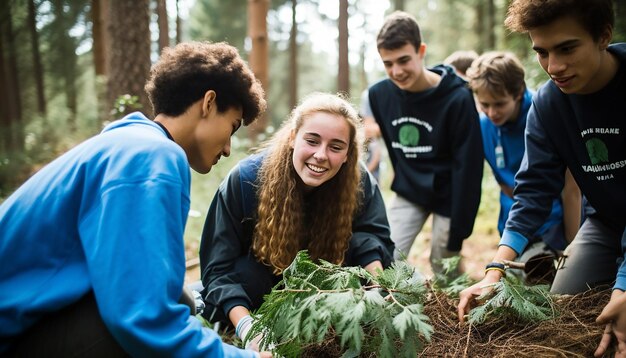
x,y
186,71
593,15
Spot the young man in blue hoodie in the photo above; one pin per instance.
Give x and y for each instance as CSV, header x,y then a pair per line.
x,y
429,122
573,124
497,80
92,249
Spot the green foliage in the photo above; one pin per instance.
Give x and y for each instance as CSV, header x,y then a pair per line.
x,y
315,300
124,104
517,301
450,282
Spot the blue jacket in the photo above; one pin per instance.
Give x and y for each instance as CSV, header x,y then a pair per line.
x,y
510,136
106,216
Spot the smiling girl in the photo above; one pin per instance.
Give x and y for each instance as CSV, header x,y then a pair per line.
x,y
305,189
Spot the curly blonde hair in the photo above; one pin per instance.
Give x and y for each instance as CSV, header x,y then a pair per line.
x,y
322,222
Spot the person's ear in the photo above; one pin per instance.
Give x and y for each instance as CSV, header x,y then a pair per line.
x,y
605,37
422,50
292,138
208,102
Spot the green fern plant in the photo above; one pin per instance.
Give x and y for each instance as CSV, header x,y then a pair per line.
x,y
512,299
367,314
449,281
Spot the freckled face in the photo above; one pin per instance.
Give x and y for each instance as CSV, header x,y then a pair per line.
x,y
499,108
320,147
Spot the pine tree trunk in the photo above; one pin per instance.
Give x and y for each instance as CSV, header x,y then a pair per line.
x,y
257,31
343,75
11,88
479,27
100,20
37,66
293,57
398,5
130,51
164,35
491,22
66,59
101,51
179,25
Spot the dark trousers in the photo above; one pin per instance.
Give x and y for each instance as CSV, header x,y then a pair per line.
x,y
591,259
75,331
257,281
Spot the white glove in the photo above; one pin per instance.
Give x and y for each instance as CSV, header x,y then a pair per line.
x,y
243,328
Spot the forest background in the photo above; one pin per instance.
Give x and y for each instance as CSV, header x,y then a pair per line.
x,y
69,67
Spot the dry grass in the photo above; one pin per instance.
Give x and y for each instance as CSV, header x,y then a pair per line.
x,y
572,333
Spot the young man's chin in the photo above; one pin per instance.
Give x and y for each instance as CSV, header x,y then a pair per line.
x,y
202,170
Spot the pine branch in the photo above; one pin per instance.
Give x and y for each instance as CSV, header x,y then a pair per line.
x,y
316,299
517,301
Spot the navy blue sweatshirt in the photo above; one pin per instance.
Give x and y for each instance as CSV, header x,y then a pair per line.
x,y
434,142
585,133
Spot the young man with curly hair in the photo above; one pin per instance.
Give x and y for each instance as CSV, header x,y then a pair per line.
x,y
573,124
92,245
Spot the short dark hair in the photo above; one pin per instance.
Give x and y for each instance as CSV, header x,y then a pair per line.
x,y
185,72
400,28
593,15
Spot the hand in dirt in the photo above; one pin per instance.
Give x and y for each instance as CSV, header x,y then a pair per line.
x,y
614,316
468,296
265,355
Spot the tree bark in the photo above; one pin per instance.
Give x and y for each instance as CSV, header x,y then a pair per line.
x,y
398,5
130,52
100,21
343,75
101,52
293,57
66,59
491,22
37,66
10,85
479,26
164,32
179,25
257,31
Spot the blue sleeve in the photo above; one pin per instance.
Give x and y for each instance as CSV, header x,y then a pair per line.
x,y
620,280
538,183
133,242
370,229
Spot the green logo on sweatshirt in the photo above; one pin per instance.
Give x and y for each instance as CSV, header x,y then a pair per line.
x,y
598,153
409,135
